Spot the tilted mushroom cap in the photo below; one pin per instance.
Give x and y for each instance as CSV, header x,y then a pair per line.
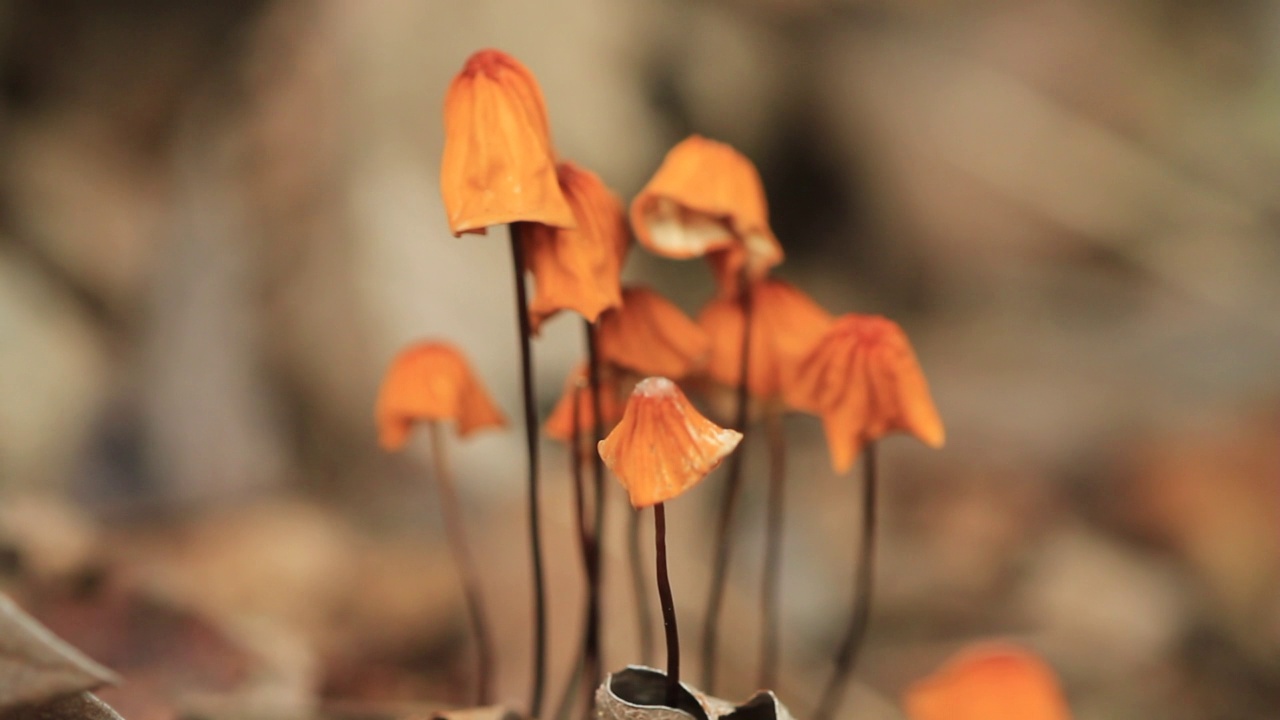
x,y
706,197
578,268
651,336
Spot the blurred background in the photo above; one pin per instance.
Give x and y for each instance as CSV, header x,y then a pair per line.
x,y
219,221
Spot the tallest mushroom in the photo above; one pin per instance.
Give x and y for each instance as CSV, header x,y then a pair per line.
x,y
499,167
707,200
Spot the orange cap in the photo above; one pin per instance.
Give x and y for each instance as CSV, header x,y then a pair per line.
x,y
993,681
559,425
863,379
431,381
651,336
498,164
705,197
786,325
663,445
578,269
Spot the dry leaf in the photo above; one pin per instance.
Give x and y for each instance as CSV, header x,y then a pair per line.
x,y
167,651
36,666
639,693
81,706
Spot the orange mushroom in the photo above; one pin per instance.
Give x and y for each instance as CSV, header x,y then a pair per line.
x,y
499,167
663,445
577,391
863,379
706,197
994,681
578,268
431,381
786,325
651,336
499,164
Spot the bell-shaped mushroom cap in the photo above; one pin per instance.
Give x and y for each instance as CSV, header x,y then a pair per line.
x,y
651,336
992,681
431,381
663,446
863,379
706,196
578,268
786,325
498,164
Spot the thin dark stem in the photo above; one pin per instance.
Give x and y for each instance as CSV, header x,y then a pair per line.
x,y
594,654
769,609
668,605
579,482
644,613
531,441
466,567
847,655
728,504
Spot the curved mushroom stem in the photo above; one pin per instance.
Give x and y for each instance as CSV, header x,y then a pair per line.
x,y
729,503
531,442
769,609
593,658
847,655
644,613
466,565
668,605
